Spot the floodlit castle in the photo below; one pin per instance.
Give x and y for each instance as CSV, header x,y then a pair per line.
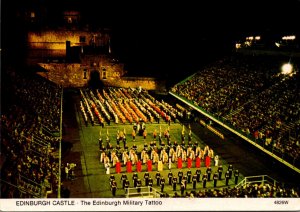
x,y
75,55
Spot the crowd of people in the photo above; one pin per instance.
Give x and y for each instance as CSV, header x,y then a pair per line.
x,y
160,150
252,98
203,175
31,105
186,184
124,105
247,191
250,94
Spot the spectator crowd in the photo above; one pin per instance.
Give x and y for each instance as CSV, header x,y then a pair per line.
x,y
250,94
29,120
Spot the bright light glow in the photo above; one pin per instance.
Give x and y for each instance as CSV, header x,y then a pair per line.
x,y
289,37
249,38
247,43
257,37
287,69
277,44
237,45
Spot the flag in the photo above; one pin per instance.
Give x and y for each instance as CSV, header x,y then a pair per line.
x,y
109,47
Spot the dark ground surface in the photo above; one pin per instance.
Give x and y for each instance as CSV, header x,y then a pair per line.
x,y
246,158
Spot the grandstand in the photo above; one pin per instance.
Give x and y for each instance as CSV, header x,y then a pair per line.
x,y
258,101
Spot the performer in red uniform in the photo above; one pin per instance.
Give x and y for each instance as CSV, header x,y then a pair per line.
x,y
179,163
189,163
207,161
149,165
139,166
198,162
118,167
129,166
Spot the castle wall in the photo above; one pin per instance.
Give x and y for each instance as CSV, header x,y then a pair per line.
x,y
78,75
102,63
47,46
56,40
67,75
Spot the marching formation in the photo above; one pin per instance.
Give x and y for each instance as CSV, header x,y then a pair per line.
x,y
159,151
121,105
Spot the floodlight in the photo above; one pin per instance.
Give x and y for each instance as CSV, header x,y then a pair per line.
x,y
286,69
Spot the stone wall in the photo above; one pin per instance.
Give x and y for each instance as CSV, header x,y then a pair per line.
x,y
45,46
67,75
78,75
56,39
103,63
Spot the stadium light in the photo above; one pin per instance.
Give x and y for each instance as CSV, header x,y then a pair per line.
x,y
277,44
287,69
238,45
247,43
289,37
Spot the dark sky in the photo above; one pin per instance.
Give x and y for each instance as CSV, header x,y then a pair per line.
x,y
179,35
167,36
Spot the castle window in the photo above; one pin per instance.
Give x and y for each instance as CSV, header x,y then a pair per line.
x,y
104,73
82,39
84,73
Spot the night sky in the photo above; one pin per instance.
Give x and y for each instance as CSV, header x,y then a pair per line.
x,y
182,37
164,38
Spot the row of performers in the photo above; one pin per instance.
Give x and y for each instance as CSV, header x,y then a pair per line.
x,y
160,181
172,156
182,178
149,164
121,137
